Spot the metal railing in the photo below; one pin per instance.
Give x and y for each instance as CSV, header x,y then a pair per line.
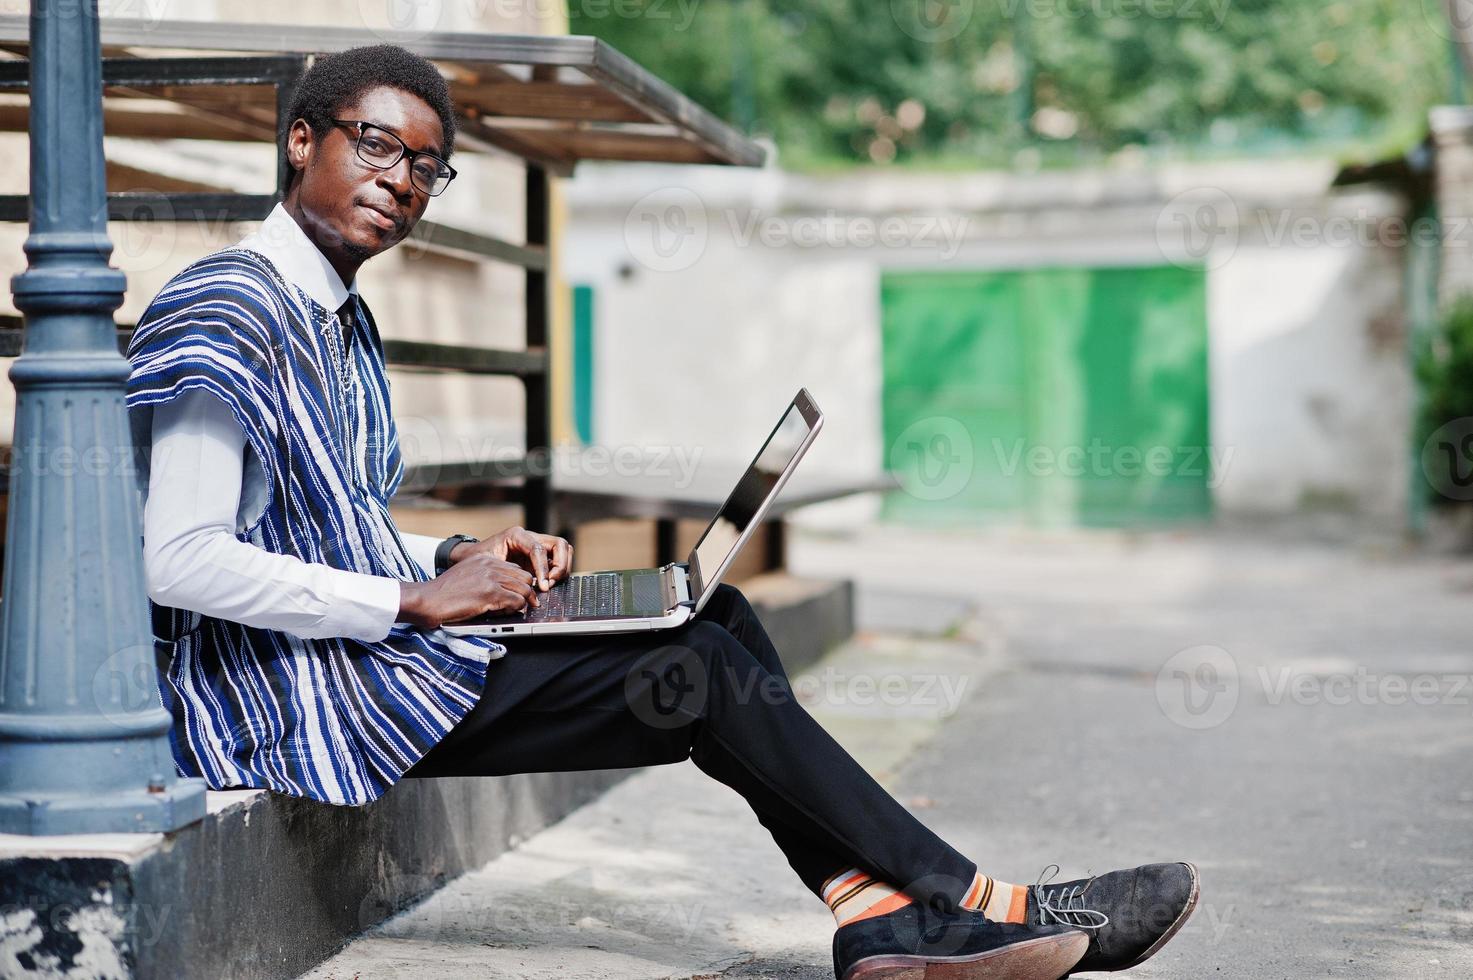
x,y
530,365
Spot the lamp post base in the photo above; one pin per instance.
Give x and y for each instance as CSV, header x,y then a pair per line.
x,y
140,811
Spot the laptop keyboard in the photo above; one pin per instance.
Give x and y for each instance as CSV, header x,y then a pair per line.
x,y
600,595
581,596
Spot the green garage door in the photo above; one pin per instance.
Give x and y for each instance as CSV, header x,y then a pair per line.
x,y
1058,396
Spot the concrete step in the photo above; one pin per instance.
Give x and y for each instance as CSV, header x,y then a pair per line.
x,y
267,886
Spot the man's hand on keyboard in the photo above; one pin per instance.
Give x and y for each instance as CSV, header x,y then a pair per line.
x,y
475,585
548,557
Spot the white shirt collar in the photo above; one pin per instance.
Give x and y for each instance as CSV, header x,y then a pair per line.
x,y
298,260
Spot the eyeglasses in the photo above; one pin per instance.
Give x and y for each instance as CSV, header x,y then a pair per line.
x,y
381,149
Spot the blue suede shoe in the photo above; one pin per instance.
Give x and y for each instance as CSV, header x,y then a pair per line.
x,y
916,943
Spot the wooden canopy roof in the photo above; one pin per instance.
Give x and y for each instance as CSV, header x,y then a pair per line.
x,y
551,99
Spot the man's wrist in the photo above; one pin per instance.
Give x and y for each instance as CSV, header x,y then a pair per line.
x,y
410,596
446,554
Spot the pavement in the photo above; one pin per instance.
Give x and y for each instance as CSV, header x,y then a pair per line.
x,y
1290,712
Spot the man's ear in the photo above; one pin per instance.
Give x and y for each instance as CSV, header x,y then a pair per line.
x,y
300,143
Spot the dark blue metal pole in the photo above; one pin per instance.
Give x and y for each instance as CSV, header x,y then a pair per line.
x,y
83,737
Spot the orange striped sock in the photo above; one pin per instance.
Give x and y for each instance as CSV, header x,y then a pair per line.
x,y
854,895
998,900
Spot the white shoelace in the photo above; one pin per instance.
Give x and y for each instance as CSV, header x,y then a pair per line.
x,y
1065,906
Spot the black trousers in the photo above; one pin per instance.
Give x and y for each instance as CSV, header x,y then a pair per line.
x,y
713,691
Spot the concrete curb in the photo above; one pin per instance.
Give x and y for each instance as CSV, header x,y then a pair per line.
x,y
267,886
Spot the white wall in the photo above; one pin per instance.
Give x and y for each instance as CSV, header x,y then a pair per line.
x,y
720,291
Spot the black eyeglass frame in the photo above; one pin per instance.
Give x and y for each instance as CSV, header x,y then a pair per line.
x,y
448,171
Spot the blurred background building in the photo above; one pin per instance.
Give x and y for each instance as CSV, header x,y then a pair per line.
x,y
1055,263
1106,264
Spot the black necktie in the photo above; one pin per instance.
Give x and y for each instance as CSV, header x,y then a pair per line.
x,y
347,314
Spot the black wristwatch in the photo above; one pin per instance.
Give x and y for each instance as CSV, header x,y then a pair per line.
x,y
442,553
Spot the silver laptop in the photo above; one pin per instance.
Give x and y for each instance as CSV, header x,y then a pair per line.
x,y
634,599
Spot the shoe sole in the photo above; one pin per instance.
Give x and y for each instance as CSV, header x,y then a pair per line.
x,y
1044,958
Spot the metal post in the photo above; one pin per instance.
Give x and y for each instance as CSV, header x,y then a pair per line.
x,y
537,487
83,736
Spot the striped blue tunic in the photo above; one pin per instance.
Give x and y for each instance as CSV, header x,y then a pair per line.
x,y
336,720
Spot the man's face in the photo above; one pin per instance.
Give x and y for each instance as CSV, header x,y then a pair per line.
x,y
350,208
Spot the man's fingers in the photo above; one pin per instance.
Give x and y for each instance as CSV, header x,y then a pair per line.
x,y
518,599
562,557
539,564
519,582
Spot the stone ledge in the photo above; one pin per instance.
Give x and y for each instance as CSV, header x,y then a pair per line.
x,y
267,886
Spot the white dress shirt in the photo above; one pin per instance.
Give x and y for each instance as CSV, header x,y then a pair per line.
x,y
191,556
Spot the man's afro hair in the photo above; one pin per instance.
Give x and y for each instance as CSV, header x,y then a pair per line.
x,y
337,80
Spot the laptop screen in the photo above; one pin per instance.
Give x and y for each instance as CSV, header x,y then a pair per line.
x,y
736,517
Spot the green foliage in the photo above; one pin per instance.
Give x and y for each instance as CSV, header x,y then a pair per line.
x,y
972,82
1445,373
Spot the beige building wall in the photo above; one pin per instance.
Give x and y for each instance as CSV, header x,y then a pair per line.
x,y
415,295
